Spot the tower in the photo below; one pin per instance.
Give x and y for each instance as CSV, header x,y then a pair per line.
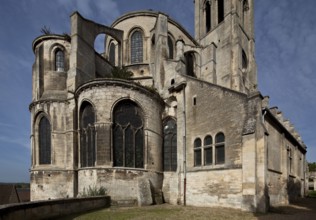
x,y
225,30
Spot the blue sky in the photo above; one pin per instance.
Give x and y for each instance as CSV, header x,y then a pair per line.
x,y
285,53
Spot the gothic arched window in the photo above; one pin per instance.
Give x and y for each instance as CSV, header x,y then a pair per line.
x,y
59,61
220,148
208,18
112,54
220,10
87,135
128,135
170,145
208,150
170,46
197,152
137,47
44,137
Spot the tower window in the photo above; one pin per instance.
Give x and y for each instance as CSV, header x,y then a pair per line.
x,y
128,135
44,141
59,61
87,136
170,145
197,152
112,54
136,47
208,17
220,11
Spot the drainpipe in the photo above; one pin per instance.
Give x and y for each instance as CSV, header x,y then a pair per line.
x,y
184,150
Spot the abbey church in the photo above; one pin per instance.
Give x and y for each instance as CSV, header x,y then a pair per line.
x,y
188,126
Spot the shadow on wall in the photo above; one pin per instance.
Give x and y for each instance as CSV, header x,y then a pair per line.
x,y
293,190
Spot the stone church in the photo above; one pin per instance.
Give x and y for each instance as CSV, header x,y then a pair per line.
x,y
188,127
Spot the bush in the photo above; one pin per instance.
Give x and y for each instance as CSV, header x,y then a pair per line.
x,y
312,194
94,191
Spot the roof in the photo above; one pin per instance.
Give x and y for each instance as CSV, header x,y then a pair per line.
x,y
8,194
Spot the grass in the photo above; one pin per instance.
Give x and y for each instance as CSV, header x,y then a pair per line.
x,y
164,212
312,194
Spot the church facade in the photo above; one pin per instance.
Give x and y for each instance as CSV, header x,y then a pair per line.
x,y
188,127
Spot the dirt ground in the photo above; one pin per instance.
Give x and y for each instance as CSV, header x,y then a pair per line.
x,y
304,209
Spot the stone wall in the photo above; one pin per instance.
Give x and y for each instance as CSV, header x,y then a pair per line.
x,y
52,209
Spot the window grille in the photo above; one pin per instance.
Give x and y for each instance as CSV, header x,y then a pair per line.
x,y
170,145
137,47
128,135
60,61
44,141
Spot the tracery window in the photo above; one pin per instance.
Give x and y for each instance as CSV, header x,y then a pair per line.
x,y
220,11
208,150
171,47
128,135
44,141
112,54
197,152
87,136
170,145
59,61
137,47
208,18
220,148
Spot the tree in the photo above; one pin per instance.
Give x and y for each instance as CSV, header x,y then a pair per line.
x,y
312,167
121,73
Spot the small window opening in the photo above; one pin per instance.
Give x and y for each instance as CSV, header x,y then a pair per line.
x,y
112,54
197,152
194,101
170,46
244,60
220,11
172,81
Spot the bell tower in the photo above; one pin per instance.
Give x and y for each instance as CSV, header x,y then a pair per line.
x,y
225,31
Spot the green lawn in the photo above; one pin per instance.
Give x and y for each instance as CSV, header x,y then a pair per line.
x,y
164,212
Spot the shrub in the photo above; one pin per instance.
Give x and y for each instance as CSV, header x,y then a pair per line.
x,y
93,191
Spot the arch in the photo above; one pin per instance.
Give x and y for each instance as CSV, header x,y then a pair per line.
x,y
99,43
220,148
208,150
87,135
136,45
170,144
44,140
197,152
128,135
